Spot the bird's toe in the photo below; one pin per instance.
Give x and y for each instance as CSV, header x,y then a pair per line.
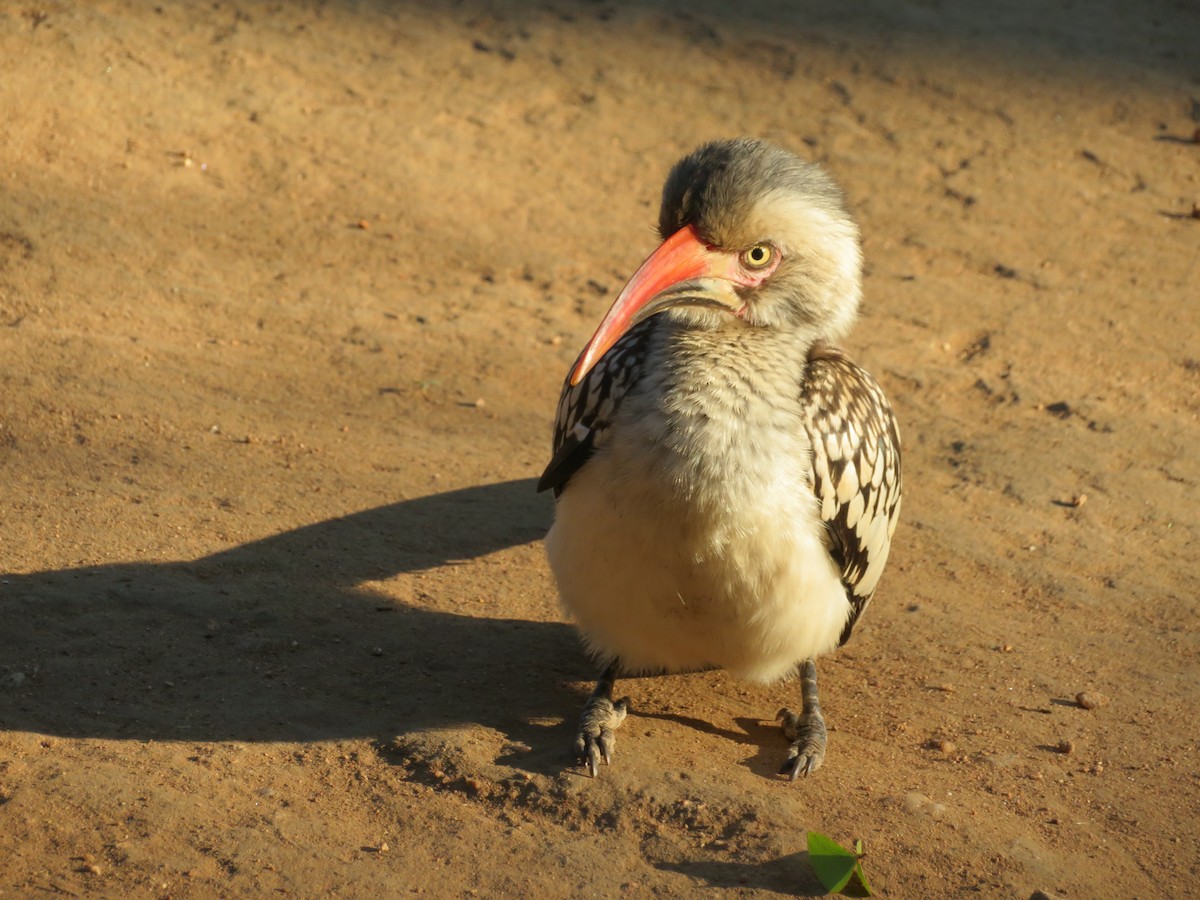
x,y
807,733
595,740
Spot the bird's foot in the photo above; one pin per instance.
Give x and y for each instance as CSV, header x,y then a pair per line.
x,y
806,731
595,740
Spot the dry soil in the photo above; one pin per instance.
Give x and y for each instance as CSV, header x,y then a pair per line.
x,y
287,290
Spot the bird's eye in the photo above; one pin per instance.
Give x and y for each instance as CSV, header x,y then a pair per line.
x,y
757,256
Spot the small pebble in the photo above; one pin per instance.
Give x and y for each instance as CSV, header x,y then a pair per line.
x,y
1091,699
943,746
918,803
1064,747
377,651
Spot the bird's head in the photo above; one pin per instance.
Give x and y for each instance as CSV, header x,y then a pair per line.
x,y
753,237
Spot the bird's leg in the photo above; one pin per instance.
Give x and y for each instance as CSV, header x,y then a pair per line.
x,y
807,730
601,716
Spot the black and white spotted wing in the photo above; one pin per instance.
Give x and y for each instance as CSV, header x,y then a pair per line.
x,y
586,410
856,470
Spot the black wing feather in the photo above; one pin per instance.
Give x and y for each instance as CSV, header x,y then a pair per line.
x,y
586,410
856,470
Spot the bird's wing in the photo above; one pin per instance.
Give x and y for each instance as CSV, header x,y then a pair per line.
x,y
856,470
586,410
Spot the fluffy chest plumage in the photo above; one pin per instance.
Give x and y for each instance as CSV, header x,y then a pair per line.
x,y
692,536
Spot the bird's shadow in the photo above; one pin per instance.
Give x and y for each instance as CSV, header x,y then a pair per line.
x,y
278,639
770,747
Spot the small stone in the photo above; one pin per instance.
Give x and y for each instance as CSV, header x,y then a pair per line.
x,y
480,403
384,848
918,803
1091,699
1064,747
377,651
943,746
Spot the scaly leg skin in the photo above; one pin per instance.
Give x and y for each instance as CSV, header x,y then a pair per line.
x,y
806,731
601,716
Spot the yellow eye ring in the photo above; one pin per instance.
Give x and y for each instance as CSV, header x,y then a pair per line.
x,y
759,256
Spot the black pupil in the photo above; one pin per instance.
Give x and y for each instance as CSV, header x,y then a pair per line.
x,y
758,254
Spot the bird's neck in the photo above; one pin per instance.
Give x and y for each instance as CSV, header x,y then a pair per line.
x,y
716,419
736,365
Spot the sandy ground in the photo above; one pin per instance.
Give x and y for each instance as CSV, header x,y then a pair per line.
x,y
286,294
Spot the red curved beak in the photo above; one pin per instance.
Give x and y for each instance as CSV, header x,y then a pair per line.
x,y
673,275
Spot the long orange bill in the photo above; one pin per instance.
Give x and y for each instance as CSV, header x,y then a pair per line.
x,y
676,274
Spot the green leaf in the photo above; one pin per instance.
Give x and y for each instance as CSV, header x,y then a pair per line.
x,y
832,862
858,869
861,875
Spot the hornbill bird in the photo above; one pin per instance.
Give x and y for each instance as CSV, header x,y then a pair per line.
x,y
727,482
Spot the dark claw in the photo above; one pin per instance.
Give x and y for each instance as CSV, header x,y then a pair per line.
x,y
605,743
798,764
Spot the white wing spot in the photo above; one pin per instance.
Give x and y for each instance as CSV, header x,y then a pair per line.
x,y
848,483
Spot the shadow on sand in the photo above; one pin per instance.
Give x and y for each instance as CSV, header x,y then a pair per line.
x,y
275,640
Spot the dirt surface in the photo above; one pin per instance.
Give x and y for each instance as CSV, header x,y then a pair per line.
x,y
287,291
